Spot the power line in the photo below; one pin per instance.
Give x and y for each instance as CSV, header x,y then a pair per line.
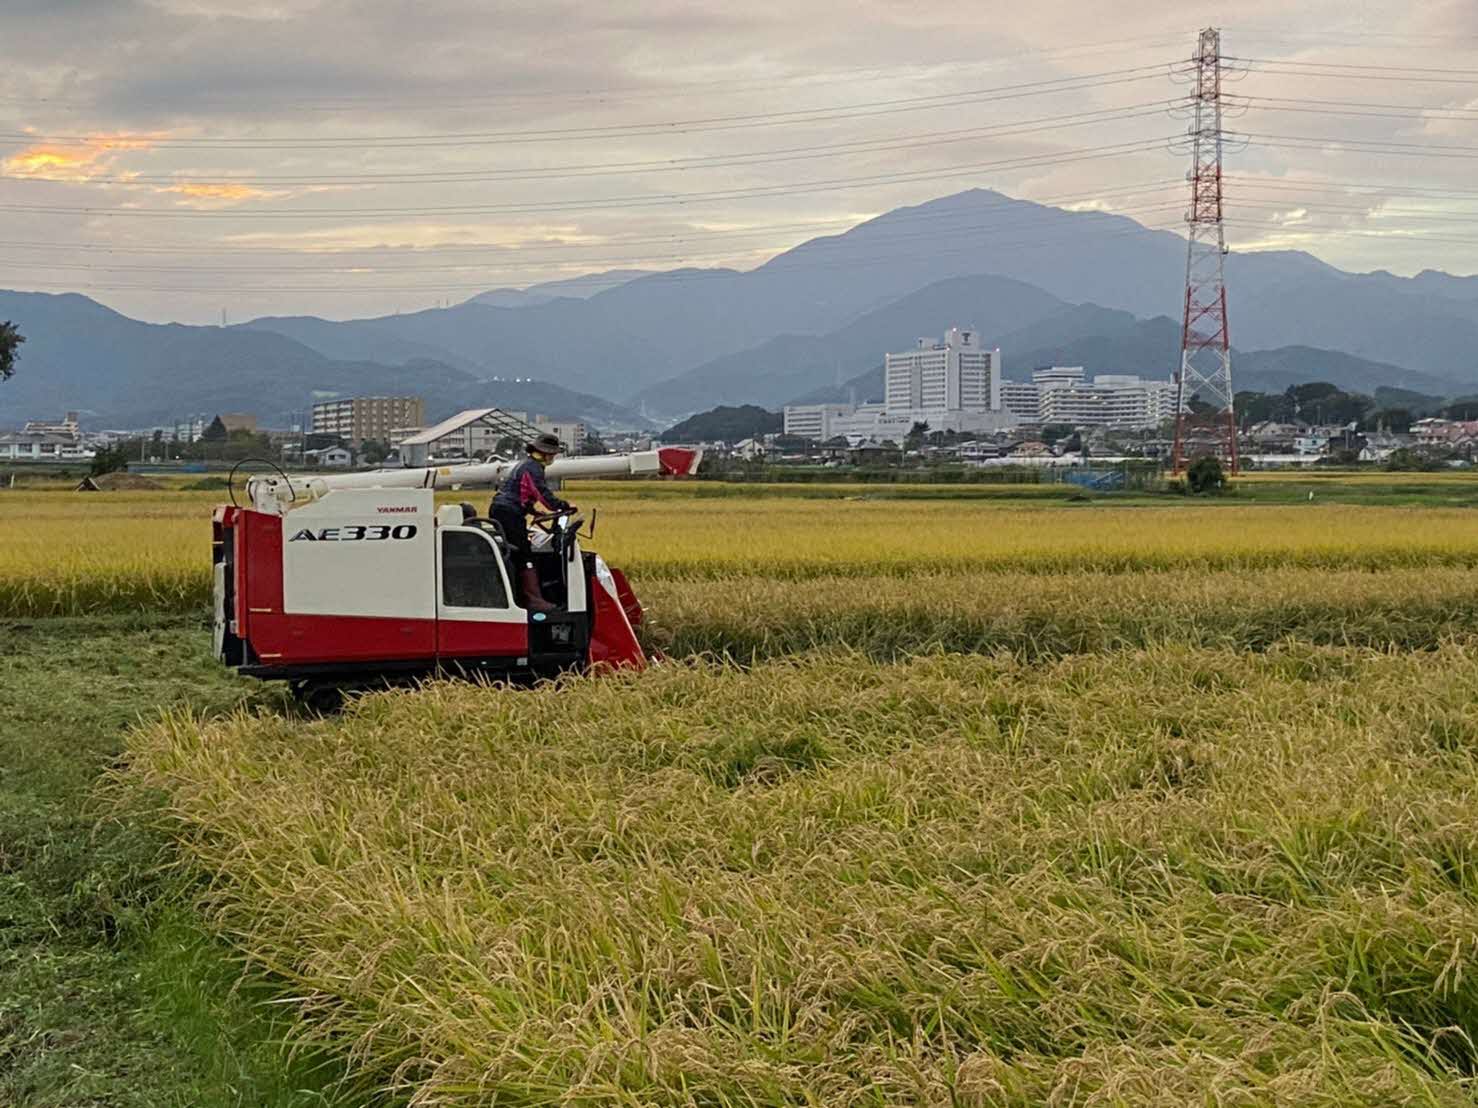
x,y
1414,108
1325,37
894,218
911,235
678,277
1320,208
1373,146
1352,65
628,130
1110,150
1294,70
711,161
831,76
1413,239
1415,191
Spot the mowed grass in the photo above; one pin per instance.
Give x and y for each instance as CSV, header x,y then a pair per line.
x,y
67,553
112,994
1141,877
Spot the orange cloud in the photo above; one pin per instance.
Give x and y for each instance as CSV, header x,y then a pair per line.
x,y
93,157
226,192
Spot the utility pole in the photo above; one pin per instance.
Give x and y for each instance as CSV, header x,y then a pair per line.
x,y
1205,348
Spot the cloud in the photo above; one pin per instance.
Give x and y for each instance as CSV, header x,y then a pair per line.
x,y
1292,218
93,158
226,192
230,80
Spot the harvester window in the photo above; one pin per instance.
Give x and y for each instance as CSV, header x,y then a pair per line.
x,y
471,576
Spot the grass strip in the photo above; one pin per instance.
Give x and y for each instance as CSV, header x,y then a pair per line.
x,y
111,992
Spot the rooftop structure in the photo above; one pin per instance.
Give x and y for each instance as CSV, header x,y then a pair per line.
x,y
465,434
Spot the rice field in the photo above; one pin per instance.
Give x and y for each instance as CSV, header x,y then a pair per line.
x,y
1160,877
67,554
937,800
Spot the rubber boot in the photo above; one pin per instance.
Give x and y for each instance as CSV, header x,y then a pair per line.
x,y
533,595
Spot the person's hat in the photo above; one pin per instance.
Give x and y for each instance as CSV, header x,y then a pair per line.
x,y
546,444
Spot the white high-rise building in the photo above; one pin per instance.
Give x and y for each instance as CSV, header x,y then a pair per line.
x,y
953,375
1062,394
952,385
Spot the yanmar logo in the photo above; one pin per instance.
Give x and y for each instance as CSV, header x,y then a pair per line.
x,y
387,509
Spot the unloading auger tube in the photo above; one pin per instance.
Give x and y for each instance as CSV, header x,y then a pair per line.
x,y
276,494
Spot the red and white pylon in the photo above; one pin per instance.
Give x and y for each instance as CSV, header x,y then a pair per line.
x,y
1205,350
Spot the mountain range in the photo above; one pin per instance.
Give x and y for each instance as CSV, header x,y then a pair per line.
x,y
1047,285
121,372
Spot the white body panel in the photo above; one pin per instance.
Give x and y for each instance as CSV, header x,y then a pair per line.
x,y
361,552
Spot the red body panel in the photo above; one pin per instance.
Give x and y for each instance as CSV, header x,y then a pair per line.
x,y
293,639
634,612
461,639
678,461
258,571
612,642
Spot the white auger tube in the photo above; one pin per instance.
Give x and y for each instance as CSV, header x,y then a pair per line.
x,y
275,494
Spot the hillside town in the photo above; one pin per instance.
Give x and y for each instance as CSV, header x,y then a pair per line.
x,y
943,401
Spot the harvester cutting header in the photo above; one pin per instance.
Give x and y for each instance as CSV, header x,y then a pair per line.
x,y
344,580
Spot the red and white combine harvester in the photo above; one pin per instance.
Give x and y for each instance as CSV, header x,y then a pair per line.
x,y
358,579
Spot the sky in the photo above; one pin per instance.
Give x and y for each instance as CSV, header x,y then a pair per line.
x,y
191,160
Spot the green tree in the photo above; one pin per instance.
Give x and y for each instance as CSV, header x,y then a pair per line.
x,y
1405,459
725,424
1321,402
1052,432
1396,420
216,432
1462,407
1198,407
374,452
10,341
1205,476
1260,407
110,459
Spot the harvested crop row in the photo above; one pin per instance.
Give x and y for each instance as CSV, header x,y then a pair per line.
x,y
1163,877
1036,615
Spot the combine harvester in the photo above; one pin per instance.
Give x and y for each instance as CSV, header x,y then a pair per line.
x,y
358,579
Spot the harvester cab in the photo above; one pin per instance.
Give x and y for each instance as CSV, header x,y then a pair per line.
x,y
360,579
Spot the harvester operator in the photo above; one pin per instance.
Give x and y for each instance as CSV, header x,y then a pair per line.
x,y
522,492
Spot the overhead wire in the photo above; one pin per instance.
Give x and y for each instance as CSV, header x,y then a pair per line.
x,y
674,277
834,75
623,130
907,217
963,230
1029,161
1353,65
738,160
1374,146
888,144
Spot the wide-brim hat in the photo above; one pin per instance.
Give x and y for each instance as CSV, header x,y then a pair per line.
x,y
546,444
